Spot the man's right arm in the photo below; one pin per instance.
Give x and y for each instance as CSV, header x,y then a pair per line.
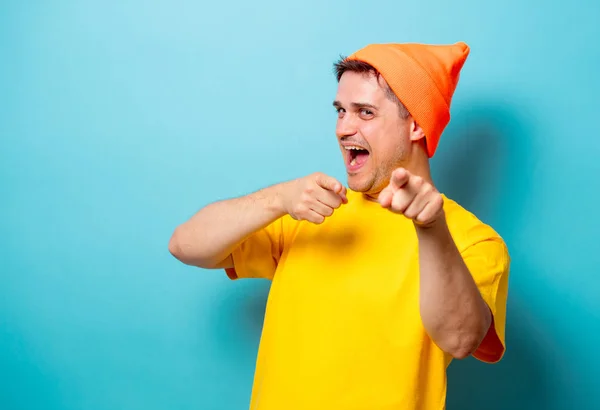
x,y
209,237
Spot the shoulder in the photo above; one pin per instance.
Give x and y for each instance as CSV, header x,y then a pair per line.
x,y
468,230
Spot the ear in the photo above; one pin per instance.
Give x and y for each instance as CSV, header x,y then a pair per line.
x,y
416,132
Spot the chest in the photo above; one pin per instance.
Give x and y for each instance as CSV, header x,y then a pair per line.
x,y
349,282
357,264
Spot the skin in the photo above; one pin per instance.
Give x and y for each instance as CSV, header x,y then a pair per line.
x,y
396,175
368,118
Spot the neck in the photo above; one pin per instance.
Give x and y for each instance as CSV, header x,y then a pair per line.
x,y
417,164
420,166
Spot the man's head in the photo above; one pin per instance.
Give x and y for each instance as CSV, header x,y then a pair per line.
x,y
393,103
375,130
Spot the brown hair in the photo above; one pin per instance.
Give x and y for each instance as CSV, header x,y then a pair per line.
x,y
344,64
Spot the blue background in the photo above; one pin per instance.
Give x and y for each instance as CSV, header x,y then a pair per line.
x,y
120,119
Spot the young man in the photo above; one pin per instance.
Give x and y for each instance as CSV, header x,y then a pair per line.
x,y
375,288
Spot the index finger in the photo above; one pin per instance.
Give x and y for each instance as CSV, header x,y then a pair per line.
x,y
329,183
399,178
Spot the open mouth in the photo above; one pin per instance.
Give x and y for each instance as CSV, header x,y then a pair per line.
x,y
355,157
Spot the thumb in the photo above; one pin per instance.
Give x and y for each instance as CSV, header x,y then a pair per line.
x,y
386,196
343,195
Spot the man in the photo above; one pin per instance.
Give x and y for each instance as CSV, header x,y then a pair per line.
x,y
378,286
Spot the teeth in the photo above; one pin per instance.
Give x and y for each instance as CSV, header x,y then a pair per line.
x,y
353,162
353,147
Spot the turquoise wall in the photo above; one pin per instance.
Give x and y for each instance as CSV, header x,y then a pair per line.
x,y
119,119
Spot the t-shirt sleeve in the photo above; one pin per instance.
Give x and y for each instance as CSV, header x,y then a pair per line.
x,y
258,255
488,261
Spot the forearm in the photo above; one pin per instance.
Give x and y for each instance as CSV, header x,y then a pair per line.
x,y
452,309
209,237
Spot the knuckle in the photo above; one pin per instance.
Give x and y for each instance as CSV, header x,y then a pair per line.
x,y
410,213
300,209
421,218
308,195
397,204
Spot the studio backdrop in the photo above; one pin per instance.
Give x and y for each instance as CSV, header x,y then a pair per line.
x,y
120,119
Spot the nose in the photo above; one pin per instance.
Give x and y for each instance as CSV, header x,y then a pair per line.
x,y
346,126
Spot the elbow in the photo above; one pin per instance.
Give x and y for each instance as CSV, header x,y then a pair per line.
x,y
175,245
463,345
463,349
467,339
180,246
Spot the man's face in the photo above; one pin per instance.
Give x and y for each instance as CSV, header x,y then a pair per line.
x,y
373,138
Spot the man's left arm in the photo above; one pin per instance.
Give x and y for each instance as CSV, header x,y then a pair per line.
x,y
453,311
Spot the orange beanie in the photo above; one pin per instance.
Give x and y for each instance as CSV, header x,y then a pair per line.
x,y
423,77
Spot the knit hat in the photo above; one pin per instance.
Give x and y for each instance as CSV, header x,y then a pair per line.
x,y
423,77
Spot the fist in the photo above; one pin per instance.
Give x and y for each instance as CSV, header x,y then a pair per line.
x,y
413,197
314,197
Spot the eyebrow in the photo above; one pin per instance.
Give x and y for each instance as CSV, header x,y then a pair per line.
x,y
338,104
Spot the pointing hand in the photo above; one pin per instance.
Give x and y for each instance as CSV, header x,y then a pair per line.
x,y
314,197
413,197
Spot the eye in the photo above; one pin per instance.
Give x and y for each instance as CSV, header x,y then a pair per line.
x,y
366,112
340,111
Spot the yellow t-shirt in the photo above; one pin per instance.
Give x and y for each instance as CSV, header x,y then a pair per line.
x,y
342,328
